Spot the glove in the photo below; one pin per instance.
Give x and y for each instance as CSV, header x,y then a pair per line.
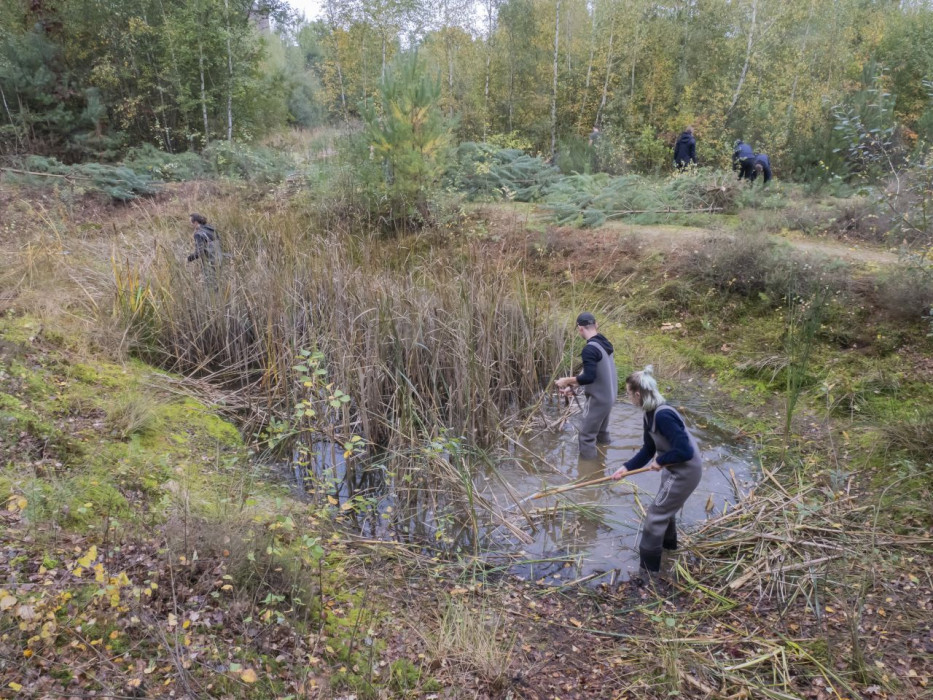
x,y
192,257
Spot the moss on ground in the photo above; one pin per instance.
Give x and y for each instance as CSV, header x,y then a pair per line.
x,y
88,441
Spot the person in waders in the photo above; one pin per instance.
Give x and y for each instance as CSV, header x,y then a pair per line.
x,y
206,248
670,448
600,385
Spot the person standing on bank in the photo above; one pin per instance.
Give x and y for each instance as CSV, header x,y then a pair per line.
x,y
685,150
670,448
206,247
600,384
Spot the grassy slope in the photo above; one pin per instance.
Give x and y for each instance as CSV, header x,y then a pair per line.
x,y
206,580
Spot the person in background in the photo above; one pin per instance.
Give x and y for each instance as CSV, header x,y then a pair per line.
x,y
600,384
743,160
668,447
762,166
685,150
206,247
594,144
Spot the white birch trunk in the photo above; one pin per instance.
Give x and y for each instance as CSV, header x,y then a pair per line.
x,y
748,58
203,93
229,75
602,102
554,86
589,69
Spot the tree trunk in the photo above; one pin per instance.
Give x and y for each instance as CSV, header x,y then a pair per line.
x,y
383,80
631,92
554,86
343,94
748,58
448,47
800,62
602,102
511,77
203,93
229,74
9,115
589,68
178,90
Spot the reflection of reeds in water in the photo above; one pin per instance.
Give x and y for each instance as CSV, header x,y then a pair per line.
x,y
419,342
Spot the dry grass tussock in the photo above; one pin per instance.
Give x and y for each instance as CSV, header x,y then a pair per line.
x,y
416,339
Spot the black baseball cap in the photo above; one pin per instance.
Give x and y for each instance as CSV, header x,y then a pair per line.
x,y
586,319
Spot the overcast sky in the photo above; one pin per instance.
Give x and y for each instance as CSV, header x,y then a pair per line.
x,y
310,8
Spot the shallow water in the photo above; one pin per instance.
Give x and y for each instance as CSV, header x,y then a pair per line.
x,y
594,530
587,533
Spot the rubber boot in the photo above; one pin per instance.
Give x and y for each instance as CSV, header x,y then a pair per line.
x,y
650,561
670,536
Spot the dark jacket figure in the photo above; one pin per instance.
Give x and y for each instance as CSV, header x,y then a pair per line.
x,y
600,385
743,160
668,447
206,247
762,165
685,150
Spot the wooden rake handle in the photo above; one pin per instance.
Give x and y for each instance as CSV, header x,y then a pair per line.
x,y
592,482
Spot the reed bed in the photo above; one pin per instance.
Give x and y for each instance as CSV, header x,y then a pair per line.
x,y
427,355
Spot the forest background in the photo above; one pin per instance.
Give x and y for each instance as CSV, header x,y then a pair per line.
x,y
801,80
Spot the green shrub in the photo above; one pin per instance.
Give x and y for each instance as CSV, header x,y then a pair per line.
x,y
254,164
906,292
117,182
172,167
484,172
756,266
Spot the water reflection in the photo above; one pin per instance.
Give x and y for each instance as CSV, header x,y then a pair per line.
x,y
555,540
595,529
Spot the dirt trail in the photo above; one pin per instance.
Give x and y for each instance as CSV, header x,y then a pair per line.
x,y
674,237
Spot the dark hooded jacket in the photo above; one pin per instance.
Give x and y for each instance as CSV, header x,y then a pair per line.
x,y
762,160
591,356
742,151
685,150
206,245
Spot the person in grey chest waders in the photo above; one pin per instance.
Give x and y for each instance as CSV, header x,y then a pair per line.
x,y
668,447
600,385
206,248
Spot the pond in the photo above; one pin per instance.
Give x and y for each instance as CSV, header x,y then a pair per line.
x,y
585,535
592,532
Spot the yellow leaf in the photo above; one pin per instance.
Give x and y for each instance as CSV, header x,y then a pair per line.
x,y
7,601
186,624
16,686
346,506
89,557
333,501
78,571
249,676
